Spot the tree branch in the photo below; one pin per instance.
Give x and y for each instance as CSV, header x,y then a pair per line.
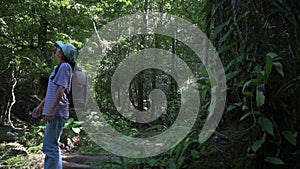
x,y
10,105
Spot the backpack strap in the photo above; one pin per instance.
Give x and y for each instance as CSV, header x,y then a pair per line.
x,y
56,70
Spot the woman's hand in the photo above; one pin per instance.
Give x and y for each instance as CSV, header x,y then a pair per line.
x,y
49,117
36,112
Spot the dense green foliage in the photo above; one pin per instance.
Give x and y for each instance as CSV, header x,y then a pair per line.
x,y
259,45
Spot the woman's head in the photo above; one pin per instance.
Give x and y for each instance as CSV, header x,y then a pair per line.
x,y
65,51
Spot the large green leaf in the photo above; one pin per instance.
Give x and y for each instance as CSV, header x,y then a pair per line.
x,y
274,160
256,145
230,107
290,137
246,84
266,124
246,115
260,97
272,60
278,67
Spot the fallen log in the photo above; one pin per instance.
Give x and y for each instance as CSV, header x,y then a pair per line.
x,y
87,158
71,165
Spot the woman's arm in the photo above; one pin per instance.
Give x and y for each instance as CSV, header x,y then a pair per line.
x,y
36,112
58,95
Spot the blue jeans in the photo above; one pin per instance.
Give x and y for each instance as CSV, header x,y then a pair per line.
x,y
51,147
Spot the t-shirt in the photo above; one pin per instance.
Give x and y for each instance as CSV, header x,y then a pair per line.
x,y
62,78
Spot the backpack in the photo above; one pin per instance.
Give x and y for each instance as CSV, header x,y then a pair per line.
x,y
78,94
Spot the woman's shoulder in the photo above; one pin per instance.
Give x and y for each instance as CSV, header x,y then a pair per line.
x,y
65,65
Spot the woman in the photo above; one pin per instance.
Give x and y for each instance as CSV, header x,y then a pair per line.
x,y
55,105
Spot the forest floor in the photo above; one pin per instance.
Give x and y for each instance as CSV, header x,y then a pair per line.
x,y
15,154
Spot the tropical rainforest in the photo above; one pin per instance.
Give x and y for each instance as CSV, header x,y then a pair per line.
x,y
257,42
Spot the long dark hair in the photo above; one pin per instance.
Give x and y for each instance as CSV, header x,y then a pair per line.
x,y
71,62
